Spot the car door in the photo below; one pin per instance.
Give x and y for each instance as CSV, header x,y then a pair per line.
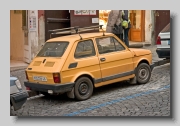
x,y
115,59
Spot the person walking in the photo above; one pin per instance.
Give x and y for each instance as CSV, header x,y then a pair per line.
x,y
126,24
114,23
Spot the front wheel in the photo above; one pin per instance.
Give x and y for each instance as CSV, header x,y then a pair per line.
x,y
143,73
83,88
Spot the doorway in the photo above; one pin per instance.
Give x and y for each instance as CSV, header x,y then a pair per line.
x,y
27,46
162,18
137,31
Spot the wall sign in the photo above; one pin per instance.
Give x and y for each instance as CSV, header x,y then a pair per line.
x,y
92,12
84,12
32,23
95,20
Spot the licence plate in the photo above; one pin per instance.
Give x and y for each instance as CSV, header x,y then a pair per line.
x,y
168,42
39,78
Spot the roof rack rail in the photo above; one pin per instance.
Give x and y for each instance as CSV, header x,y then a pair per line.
x,y
75,30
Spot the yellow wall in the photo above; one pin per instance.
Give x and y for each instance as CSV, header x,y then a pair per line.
x,y
16,37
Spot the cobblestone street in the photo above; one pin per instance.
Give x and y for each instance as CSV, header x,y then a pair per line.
x,y
119,99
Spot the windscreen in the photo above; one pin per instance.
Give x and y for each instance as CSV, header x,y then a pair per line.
x,y
53,49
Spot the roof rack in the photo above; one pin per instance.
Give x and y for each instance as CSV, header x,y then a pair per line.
x,y
75,30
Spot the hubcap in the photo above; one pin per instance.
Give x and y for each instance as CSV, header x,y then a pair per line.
x,y
143,73
83,88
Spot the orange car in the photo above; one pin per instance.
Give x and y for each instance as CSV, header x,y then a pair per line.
x,y
76,64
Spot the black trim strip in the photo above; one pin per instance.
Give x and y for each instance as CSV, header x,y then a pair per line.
x,y
98,80
114,76
118,76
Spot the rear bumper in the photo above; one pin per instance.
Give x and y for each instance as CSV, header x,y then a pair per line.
x,y
19,99
163,53
56,88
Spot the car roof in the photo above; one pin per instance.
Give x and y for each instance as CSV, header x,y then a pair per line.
x,y
75,37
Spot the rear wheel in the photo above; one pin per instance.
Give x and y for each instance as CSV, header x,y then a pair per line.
x,y
143,73
83,88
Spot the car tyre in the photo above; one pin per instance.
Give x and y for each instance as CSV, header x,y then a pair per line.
x,y
83,88
143,73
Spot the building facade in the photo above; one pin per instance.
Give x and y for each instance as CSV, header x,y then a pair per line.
x,y
29,28
26,34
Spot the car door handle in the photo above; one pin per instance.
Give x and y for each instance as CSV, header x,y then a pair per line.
x,y
103,59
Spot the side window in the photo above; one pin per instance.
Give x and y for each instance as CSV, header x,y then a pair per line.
x,y
85,49
108,44
118,45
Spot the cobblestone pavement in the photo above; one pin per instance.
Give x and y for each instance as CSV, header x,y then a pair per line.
x,y
119,99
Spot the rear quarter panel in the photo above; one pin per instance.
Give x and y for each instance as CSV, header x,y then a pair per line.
x,y
47,71
85,66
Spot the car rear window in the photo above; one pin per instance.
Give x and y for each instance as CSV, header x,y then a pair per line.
x,y
53,49
166,29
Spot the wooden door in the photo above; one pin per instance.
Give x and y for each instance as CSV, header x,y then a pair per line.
x,y
56,19
137,31
27,44
162,18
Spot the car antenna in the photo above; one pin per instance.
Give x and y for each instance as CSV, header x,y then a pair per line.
x,y
76,29
102,29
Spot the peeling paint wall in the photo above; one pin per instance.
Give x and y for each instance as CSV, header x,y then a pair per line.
x,y
33,35
148,26
41,30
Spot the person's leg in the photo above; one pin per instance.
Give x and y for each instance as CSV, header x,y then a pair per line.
x,y
126,40
121,36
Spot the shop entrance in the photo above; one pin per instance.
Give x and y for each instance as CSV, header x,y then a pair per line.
x,y
137,17
137,31
103,18
27,44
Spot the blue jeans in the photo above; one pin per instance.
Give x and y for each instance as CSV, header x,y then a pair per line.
x,y
126,40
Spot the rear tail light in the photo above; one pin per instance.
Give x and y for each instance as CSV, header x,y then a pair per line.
x,y
28,88
26,75
158,41
56,77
